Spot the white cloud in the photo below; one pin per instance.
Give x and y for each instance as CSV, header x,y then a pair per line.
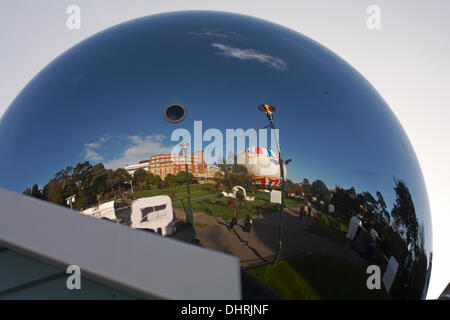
x,y
216,33
140,148
92,155
250,54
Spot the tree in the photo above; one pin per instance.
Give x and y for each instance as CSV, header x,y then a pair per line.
x,y
382,207
181,177
53,192
139,176
288,186
237,176
307,188
36,192
120,178
152,179
27,192
370,206
345,202
170,180
320,190
298,190
98,180
404,213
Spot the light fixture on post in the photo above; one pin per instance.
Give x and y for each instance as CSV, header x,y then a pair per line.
x,y
70,200
269,110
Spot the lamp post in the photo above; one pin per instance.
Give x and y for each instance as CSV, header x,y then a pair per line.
x,y
189,216
269,110
70,200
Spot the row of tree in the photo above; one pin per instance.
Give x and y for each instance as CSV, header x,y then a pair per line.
x,y
90,184
235,175
94,183
145,179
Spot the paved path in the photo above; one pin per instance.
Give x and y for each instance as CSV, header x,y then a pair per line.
x,y
259,246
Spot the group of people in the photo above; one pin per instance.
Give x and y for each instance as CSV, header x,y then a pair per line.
x,y
247,226
305,209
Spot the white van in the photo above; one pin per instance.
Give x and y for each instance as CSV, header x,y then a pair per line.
x,y
153,213
104,210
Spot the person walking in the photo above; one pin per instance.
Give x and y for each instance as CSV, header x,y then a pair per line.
x,y
233,221
302,211
248,223
309,210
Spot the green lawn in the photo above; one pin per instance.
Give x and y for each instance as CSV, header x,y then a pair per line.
x,y
328,226
219,207
264,196
197,190
317,277
207,200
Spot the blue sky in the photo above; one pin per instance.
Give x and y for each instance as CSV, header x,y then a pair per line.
x,y
103,101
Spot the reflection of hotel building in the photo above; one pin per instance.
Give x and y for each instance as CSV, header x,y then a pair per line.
x,y
143,164
163,164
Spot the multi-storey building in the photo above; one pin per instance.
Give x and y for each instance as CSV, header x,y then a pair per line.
x,y
163,164
143,164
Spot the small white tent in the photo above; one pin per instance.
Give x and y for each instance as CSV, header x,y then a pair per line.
x,y
153,213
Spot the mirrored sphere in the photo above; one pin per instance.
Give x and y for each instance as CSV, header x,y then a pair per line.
x,y
111,125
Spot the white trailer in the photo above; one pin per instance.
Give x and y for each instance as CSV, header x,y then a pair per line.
x,y
104,210
153,213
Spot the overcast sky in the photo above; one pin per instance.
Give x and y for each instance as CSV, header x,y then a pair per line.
x,y
406,60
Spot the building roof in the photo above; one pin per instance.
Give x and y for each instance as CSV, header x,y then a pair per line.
x,y
39,240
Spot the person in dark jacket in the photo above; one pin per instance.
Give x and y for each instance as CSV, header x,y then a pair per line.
x,y
301,211
248,223
233,221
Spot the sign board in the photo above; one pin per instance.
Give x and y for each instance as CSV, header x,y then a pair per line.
x,y
275,196
353,228
330,208
389,275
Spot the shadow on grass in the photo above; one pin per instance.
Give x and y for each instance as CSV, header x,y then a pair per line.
x,y
184,231
325,226
317,277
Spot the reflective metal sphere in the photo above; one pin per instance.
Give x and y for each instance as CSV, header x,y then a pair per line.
x,y
127,98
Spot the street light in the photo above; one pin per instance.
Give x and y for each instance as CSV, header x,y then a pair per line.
x,y
70,200
269,110
189,216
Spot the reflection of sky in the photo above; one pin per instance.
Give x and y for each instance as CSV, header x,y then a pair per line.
x,y
103,101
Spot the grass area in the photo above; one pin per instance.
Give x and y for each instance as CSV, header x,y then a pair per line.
x,y
219,207
328,226
207,200
317,277
264,196
197,190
